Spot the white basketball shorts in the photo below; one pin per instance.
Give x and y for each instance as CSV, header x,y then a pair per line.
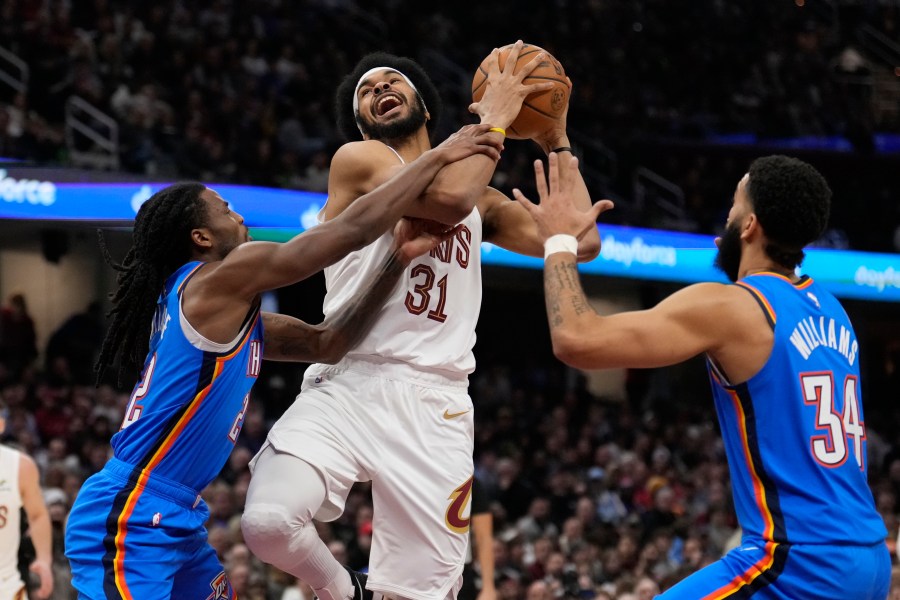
x,y
411,433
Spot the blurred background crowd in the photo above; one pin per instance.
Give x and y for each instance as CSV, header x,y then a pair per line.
x,y
241,91
592,497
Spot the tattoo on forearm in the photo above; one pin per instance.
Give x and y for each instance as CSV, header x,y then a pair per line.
x,y
356,317
296,341
564,294
290,339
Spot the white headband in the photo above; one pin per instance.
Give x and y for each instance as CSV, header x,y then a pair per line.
x,y
369,73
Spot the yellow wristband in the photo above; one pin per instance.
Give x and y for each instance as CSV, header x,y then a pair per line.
x,y
499,130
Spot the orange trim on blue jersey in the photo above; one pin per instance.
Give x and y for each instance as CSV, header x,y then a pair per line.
x,y
805,282
243,343
758,490
770,312
747,577
131,502
188,276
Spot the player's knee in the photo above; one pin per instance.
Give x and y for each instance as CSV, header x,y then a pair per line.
x,y
268,530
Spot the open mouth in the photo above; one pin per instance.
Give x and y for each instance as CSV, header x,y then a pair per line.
x,y
386,104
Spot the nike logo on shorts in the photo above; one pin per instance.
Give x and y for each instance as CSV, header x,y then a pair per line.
x,y
449,415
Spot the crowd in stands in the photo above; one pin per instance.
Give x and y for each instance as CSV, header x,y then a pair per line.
x,y
593,497
220,90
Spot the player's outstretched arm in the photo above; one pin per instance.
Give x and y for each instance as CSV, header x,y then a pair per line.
x,y
258,266
38,525
689,322
557,140
463,182
483,532
290,339
510,227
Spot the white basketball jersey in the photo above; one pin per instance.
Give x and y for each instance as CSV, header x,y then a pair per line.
x,y
429,319
10,521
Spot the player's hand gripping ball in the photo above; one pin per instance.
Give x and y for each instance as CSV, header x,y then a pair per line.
x,y
541,110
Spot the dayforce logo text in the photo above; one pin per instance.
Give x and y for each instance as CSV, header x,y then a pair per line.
x,y
26,190
877,279
636,251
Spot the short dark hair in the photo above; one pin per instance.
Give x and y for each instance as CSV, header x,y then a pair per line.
x,y
792,201
343,98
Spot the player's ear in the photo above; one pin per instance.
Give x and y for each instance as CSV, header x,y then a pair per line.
x,y
751,227
200,237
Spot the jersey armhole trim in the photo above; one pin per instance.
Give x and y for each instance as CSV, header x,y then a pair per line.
x,y
767,309
199,342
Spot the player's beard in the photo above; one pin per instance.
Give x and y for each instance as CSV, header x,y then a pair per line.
x,y
728,259
398,128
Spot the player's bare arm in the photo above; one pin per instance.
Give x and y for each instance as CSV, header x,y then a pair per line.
x,y
358,167
38,525
217,299
712,318
508,225
290,339
482,529
690,322
462,183
557,140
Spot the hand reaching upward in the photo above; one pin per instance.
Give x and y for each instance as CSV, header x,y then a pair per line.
x,y
557,212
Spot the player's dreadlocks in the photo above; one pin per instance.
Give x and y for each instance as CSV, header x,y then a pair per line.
x,y
161,243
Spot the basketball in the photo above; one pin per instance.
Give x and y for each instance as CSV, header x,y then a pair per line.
x,y
540,110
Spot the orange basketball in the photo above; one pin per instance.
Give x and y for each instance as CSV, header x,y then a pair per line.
x,y
541,110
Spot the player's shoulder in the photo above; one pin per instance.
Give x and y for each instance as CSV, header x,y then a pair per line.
x,y
27,465
361,153
356,169
8,453
708,291
708,303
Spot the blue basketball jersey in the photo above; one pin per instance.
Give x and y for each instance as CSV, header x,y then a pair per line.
x,y
794,433
187,410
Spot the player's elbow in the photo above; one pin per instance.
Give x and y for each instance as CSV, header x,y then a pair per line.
x,y
588,249
330,357
450,207
569,348
332,347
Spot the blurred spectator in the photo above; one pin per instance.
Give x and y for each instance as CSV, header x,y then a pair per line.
x,y
298,591
18,344
539,590
646,589
537,523
78,341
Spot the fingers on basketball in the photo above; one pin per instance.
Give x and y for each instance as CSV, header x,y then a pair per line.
x,y
541,109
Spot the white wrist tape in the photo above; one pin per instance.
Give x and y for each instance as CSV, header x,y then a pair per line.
x,y
560,242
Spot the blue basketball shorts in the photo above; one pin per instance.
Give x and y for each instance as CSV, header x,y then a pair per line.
x,y
769,571
133,538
